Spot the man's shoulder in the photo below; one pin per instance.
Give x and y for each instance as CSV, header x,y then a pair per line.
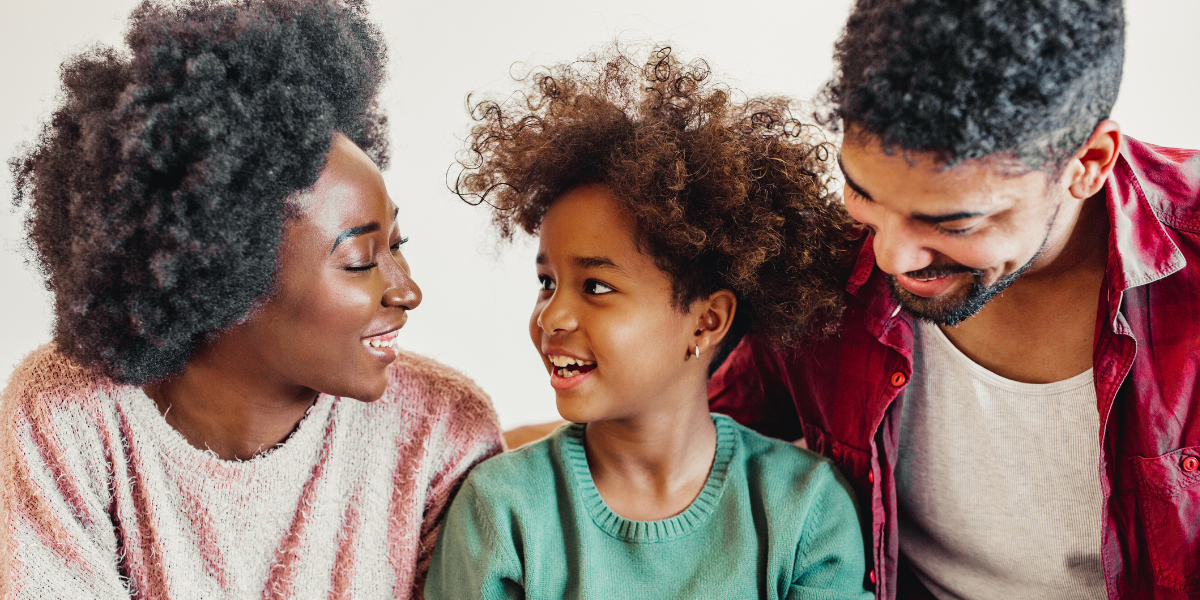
x,y
1169,178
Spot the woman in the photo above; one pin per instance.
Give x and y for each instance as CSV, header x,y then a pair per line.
x,y
223,411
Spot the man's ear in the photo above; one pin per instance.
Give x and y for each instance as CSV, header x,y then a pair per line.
x,y
714,317
1092,163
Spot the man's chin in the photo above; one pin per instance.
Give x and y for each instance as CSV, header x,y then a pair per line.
x,y
947,310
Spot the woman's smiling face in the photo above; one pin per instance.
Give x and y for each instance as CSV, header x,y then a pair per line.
x,y
342,286
605,325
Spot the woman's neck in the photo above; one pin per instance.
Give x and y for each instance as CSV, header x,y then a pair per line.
x,y
652,466
224,403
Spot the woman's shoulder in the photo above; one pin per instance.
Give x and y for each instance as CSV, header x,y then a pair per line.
x,y
421,383
47,380
434,397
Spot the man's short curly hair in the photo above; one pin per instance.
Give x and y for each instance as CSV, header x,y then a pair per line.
x,y
158,190
724,194
965,80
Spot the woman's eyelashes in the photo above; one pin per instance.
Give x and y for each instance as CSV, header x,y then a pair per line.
x,y
395,247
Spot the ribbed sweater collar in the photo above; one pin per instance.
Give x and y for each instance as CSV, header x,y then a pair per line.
x,y
682,524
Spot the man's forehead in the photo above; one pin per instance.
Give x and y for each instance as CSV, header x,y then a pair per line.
x,y
919,185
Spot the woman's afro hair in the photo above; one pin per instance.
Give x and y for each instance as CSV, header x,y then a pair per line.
x,y
158,190
725,194
965,80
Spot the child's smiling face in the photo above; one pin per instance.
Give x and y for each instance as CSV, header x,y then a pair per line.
x,y
606,327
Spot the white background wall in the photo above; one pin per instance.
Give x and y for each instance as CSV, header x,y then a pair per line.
x,y
478,296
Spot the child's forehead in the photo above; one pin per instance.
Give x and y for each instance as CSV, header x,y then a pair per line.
x,y
589,229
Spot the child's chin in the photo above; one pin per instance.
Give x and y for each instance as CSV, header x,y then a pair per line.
x,y
576,410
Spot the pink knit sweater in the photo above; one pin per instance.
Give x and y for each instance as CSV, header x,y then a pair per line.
x,y
105,500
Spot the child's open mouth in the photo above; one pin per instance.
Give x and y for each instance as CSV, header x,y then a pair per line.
x,y
569,371
568,366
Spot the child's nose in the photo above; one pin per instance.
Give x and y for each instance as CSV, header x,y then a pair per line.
x,y
556,316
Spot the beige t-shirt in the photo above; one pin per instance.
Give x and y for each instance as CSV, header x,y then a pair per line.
x,y
998,481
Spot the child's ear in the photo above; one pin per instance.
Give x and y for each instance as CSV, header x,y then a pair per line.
x,y
715,315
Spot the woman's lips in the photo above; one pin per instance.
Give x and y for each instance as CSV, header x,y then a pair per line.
x,y
382,347
930,288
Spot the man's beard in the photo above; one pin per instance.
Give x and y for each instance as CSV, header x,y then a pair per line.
x,y
952,311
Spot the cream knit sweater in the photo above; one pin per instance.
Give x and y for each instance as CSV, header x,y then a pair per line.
x,y
103,499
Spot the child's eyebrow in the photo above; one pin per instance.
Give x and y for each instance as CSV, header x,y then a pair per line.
x,y
597,262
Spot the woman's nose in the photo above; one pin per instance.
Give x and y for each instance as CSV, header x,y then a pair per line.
x,y
407,296
402,291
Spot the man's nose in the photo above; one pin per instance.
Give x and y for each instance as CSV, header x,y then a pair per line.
x,y
899,249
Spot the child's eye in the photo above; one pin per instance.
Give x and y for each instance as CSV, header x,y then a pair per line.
x,y
595,287
547,283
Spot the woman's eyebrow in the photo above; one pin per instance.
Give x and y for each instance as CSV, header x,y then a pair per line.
x,y
371,227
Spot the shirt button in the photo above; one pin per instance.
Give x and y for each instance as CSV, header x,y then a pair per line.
x,y
1190,463
837,454
899,379
872,575
870,476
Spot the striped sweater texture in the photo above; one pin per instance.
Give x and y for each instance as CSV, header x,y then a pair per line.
x,y
101,498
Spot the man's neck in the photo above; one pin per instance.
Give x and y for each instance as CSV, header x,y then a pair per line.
x,y
1042,328
652,467
217,405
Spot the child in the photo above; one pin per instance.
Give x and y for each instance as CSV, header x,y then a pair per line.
x,y
671,221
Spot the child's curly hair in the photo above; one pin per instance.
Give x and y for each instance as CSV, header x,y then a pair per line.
x,y
157,191
725,194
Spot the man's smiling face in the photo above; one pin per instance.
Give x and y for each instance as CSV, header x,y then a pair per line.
x,y
949,239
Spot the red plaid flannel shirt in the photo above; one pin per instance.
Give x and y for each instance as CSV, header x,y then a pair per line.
x,y
843,395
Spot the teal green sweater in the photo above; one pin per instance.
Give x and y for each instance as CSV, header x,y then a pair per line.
x,y
772,521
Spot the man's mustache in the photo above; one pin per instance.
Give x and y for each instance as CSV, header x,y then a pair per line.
x,y
936,271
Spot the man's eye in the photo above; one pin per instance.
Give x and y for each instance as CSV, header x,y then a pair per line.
x,y
954,232
596,288
547,283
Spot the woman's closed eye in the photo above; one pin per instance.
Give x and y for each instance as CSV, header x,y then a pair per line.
x,y
360,268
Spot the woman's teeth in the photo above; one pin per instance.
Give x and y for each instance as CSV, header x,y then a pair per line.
x,y
376,342
562,364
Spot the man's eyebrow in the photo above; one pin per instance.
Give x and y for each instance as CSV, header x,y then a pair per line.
x,y
935,219
850,182
371,227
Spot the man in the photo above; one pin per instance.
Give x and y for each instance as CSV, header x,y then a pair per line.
x,y
1014,392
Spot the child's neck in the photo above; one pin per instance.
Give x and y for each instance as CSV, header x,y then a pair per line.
x,y
653,466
